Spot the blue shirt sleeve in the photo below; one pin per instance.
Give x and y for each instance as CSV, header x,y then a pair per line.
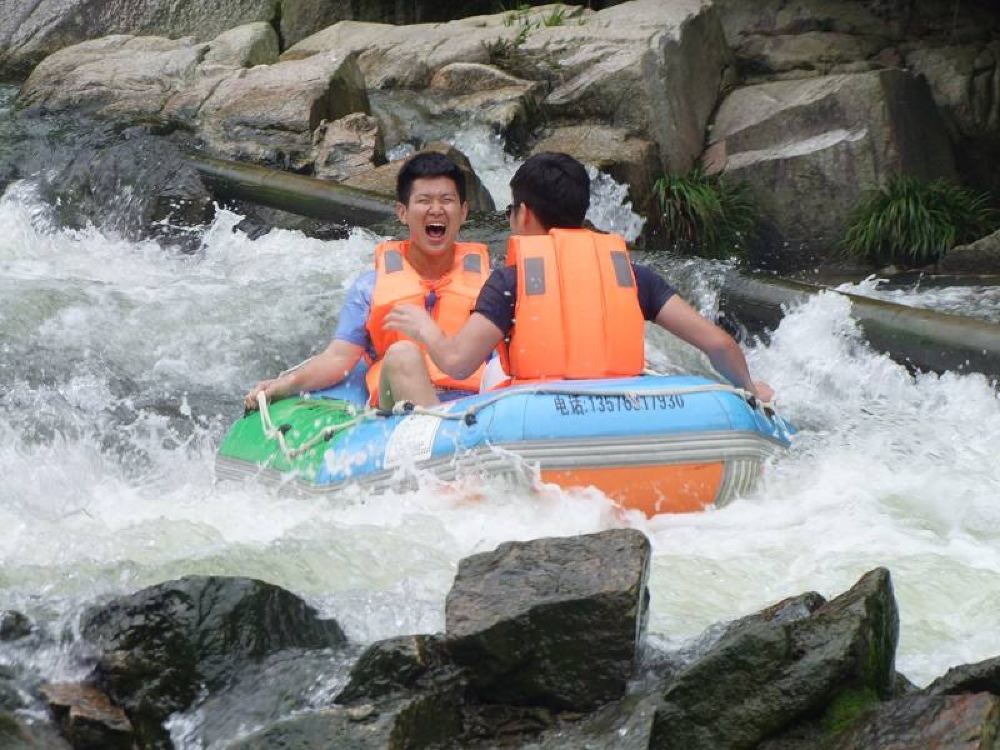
x,y
499,295
355,310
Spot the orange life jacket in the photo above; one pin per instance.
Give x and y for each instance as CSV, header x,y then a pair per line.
x,y
396,282
577,314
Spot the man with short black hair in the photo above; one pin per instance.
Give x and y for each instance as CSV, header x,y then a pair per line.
x,y
430,270
569,304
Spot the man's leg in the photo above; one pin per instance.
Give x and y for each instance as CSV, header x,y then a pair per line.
x,y
404,377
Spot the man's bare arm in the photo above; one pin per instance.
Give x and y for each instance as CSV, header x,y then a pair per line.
x,y
457,355
682,320
326,369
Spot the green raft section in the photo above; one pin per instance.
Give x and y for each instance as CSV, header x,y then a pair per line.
x,y
302,419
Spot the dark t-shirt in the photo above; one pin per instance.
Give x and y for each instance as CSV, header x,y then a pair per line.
x,y
499,295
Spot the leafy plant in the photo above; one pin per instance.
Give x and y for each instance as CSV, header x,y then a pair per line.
x,y
706,215
912,222
556,17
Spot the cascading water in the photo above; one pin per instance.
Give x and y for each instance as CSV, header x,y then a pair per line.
x,y
121,363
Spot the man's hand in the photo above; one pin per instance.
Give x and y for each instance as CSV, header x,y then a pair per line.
x,y
412,320
272,389
763,391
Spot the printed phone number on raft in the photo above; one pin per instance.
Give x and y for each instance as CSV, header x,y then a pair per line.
x,y
570,406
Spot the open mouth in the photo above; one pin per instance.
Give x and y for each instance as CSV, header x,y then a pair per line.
x,y
435,231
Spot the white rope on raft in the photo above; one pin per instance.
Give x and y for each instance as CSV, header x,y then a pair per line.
x,y
406,408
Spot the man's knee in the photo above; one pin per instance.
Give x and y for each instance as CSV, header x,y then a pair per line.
x,y
403,355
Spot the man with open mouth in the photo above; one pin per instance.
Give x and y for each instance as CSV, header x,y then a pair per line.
x,y
430,268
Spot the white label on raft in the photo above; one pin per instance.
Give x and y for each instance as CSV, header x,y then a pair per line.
x,y
412,440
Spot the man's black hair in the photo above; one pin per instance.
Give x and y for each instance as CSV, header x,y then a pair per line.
x,y
555,186
428,164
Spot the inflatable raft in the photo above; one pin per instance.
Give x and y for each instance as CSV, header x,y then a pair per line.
x,y
656,443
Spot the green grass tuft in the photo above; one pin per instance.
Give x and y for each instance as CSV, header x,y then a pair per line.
x,y
706,215
910,222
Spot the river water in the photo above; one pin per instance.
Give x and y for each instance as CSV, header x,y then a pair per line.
x,y
123,362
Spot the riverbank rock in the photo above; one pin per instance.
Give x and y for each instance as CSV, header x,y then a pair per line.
x,y
347,147
981,677
981,256
552,622
16,734
765,675
809,149
30,31
158,648
265,113
649,67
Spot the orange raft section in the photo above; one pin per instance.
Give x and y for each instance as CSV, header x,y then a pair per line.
x,y
666,488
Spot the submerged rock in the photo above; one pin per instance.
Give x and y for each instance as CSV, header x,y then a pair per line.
x,y
13,625
552,622
158,648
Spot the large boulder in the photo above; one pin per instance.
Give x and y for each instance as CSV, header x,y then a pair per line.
x,y
87,718
809,149
551,622
30,31
269,113
160,647
223,90
650,67
766,674
981,256
981,677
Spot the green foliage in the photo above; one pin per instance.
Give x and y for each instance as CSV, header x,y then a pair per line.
x,y
847,707
912,223
706,215
556,17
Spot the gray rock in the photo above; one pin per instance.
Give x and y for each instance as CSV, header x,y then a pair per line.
x,y
244,46
347,146
809,149
30,31
551,622
390,666
268,113
647,66
964,722
427,720
981,256
981,677
160,646
813,50
767,675
13,625
16,734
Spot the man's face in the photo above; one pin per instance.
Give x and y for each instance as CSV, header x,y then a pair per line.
x,y
434,214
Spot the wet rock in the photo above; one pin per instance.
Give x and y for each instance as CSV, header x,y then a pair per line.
x,y
981,677
391,666
17,734
158,648
809,149
767,675
10,699
552,622
87,717
422,721
814,50
382,180
963,722
347,146
135,183
13,625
